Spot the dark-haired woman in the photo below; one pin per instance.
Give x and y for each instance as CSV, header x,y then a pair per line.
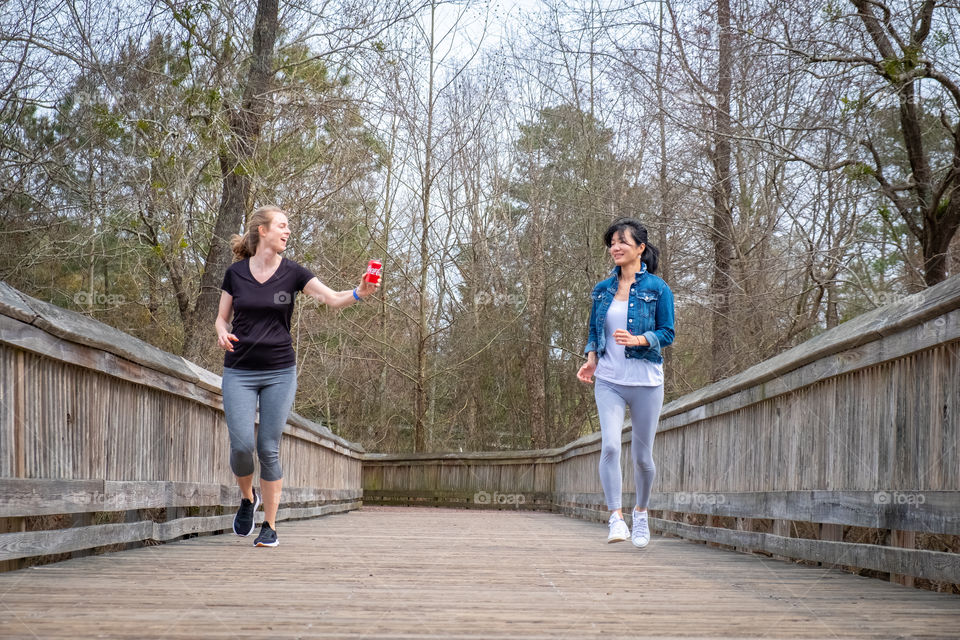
x,y
259,368
631,321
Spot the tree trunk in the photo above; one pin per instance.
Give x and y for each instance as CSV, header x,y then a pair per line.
x,y
666,204
426,182
420,402
933,216
385,408
939,232
245,124
721,287
535,364
474,278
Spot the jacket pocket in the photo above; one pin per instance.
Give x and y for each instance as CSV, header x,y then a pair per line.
x,y
647,303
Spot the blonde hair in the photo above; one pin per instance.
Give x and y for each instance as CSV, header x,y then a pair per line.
x,y
245,246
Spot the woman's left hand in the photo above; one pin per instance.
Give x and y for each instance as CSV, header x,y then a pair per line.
x,y
627,339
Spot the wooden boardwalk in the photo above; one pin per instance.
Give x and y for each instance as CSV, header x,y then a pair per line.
x,y
443,573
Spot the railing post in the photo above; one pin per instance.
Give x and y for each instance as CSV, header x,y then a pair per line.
x,y
832,533
744,524
907,540
19,419
781,528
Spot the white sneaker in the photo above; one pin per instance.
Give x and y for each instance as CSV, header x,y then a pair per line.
x,y
641,529
618,529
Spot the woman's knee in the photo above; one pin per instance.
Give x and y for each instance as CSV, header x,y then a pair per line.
x,y
242,444
609,452
241,461
270,468
645,462
268,449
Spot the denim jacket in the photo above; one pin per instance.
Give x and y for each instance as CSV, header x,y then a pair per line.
x,y
650,314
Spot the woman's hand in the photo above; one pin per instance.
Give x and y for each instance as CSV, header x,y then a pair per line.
x,y
224,313
585,374
224,339
627,339
367,288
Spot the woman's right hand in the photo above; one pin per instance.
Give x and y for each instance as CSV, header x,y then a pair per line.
x,y
223,340
585,374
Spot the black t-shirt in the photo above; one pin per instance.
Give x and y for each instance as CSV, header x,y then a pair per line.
x,y
261,315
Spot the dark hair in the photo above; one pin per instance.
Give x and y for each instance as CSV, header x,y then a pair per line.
x,y
650,255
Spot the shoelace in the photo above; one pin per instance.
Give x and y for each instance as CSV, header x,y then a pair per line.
x,y
640,526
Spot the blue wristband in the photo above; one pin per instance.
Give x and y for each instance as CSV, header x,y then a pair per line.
x,y
355,295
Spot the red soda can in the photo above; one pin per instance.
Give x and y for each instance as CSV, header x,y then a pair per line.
x,y
374,270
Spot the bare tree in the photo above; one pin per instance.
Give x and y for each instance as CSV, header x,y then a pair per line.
x,y
245,122
906,48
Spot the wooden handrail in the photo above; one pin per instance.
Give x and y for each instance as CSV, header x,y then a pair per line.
x,y
99,427
857,427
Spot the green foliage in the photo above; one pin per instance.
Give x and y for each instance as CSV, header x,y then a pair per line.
x,y
942,207
833,11
852,105
859,171
887,137
941,38
893,68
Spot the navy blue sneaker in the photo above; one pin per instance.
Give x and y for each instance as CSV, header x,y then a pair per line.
x,y
243,522
267,537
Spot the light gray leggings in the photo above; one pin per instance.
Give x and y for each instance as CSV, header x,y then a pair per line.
x,y
275,389
645,404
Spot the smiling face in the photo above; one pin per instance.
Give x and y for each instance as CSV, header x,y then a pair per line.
x,y
275,236
624,248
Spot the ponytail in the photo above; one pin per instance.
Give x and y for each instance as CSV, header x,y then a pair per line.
x,y
650,255
245,246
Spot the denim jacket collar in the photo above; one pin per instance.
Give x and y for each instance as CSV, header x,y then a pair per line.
x,y
616,273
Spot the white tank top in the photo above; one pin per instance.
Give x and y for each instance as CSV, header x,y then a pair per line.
x,y
614,366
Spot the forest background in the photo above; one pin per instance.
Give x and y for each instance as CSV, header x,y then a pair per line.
x,y
796,163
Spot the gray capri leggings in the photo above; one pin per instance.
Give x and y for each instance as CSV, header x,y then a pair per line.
x,y
645,404
275,389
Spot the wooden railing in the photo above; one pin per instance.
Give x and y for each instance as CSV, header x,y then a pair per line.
x,y
844,450
106,441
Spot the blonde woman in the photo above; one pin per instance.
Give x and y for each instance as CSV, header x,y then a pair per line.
x,y
259,366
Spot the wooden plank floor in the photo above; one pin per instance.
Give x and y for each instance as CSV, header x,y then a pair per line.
x,y
441,573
